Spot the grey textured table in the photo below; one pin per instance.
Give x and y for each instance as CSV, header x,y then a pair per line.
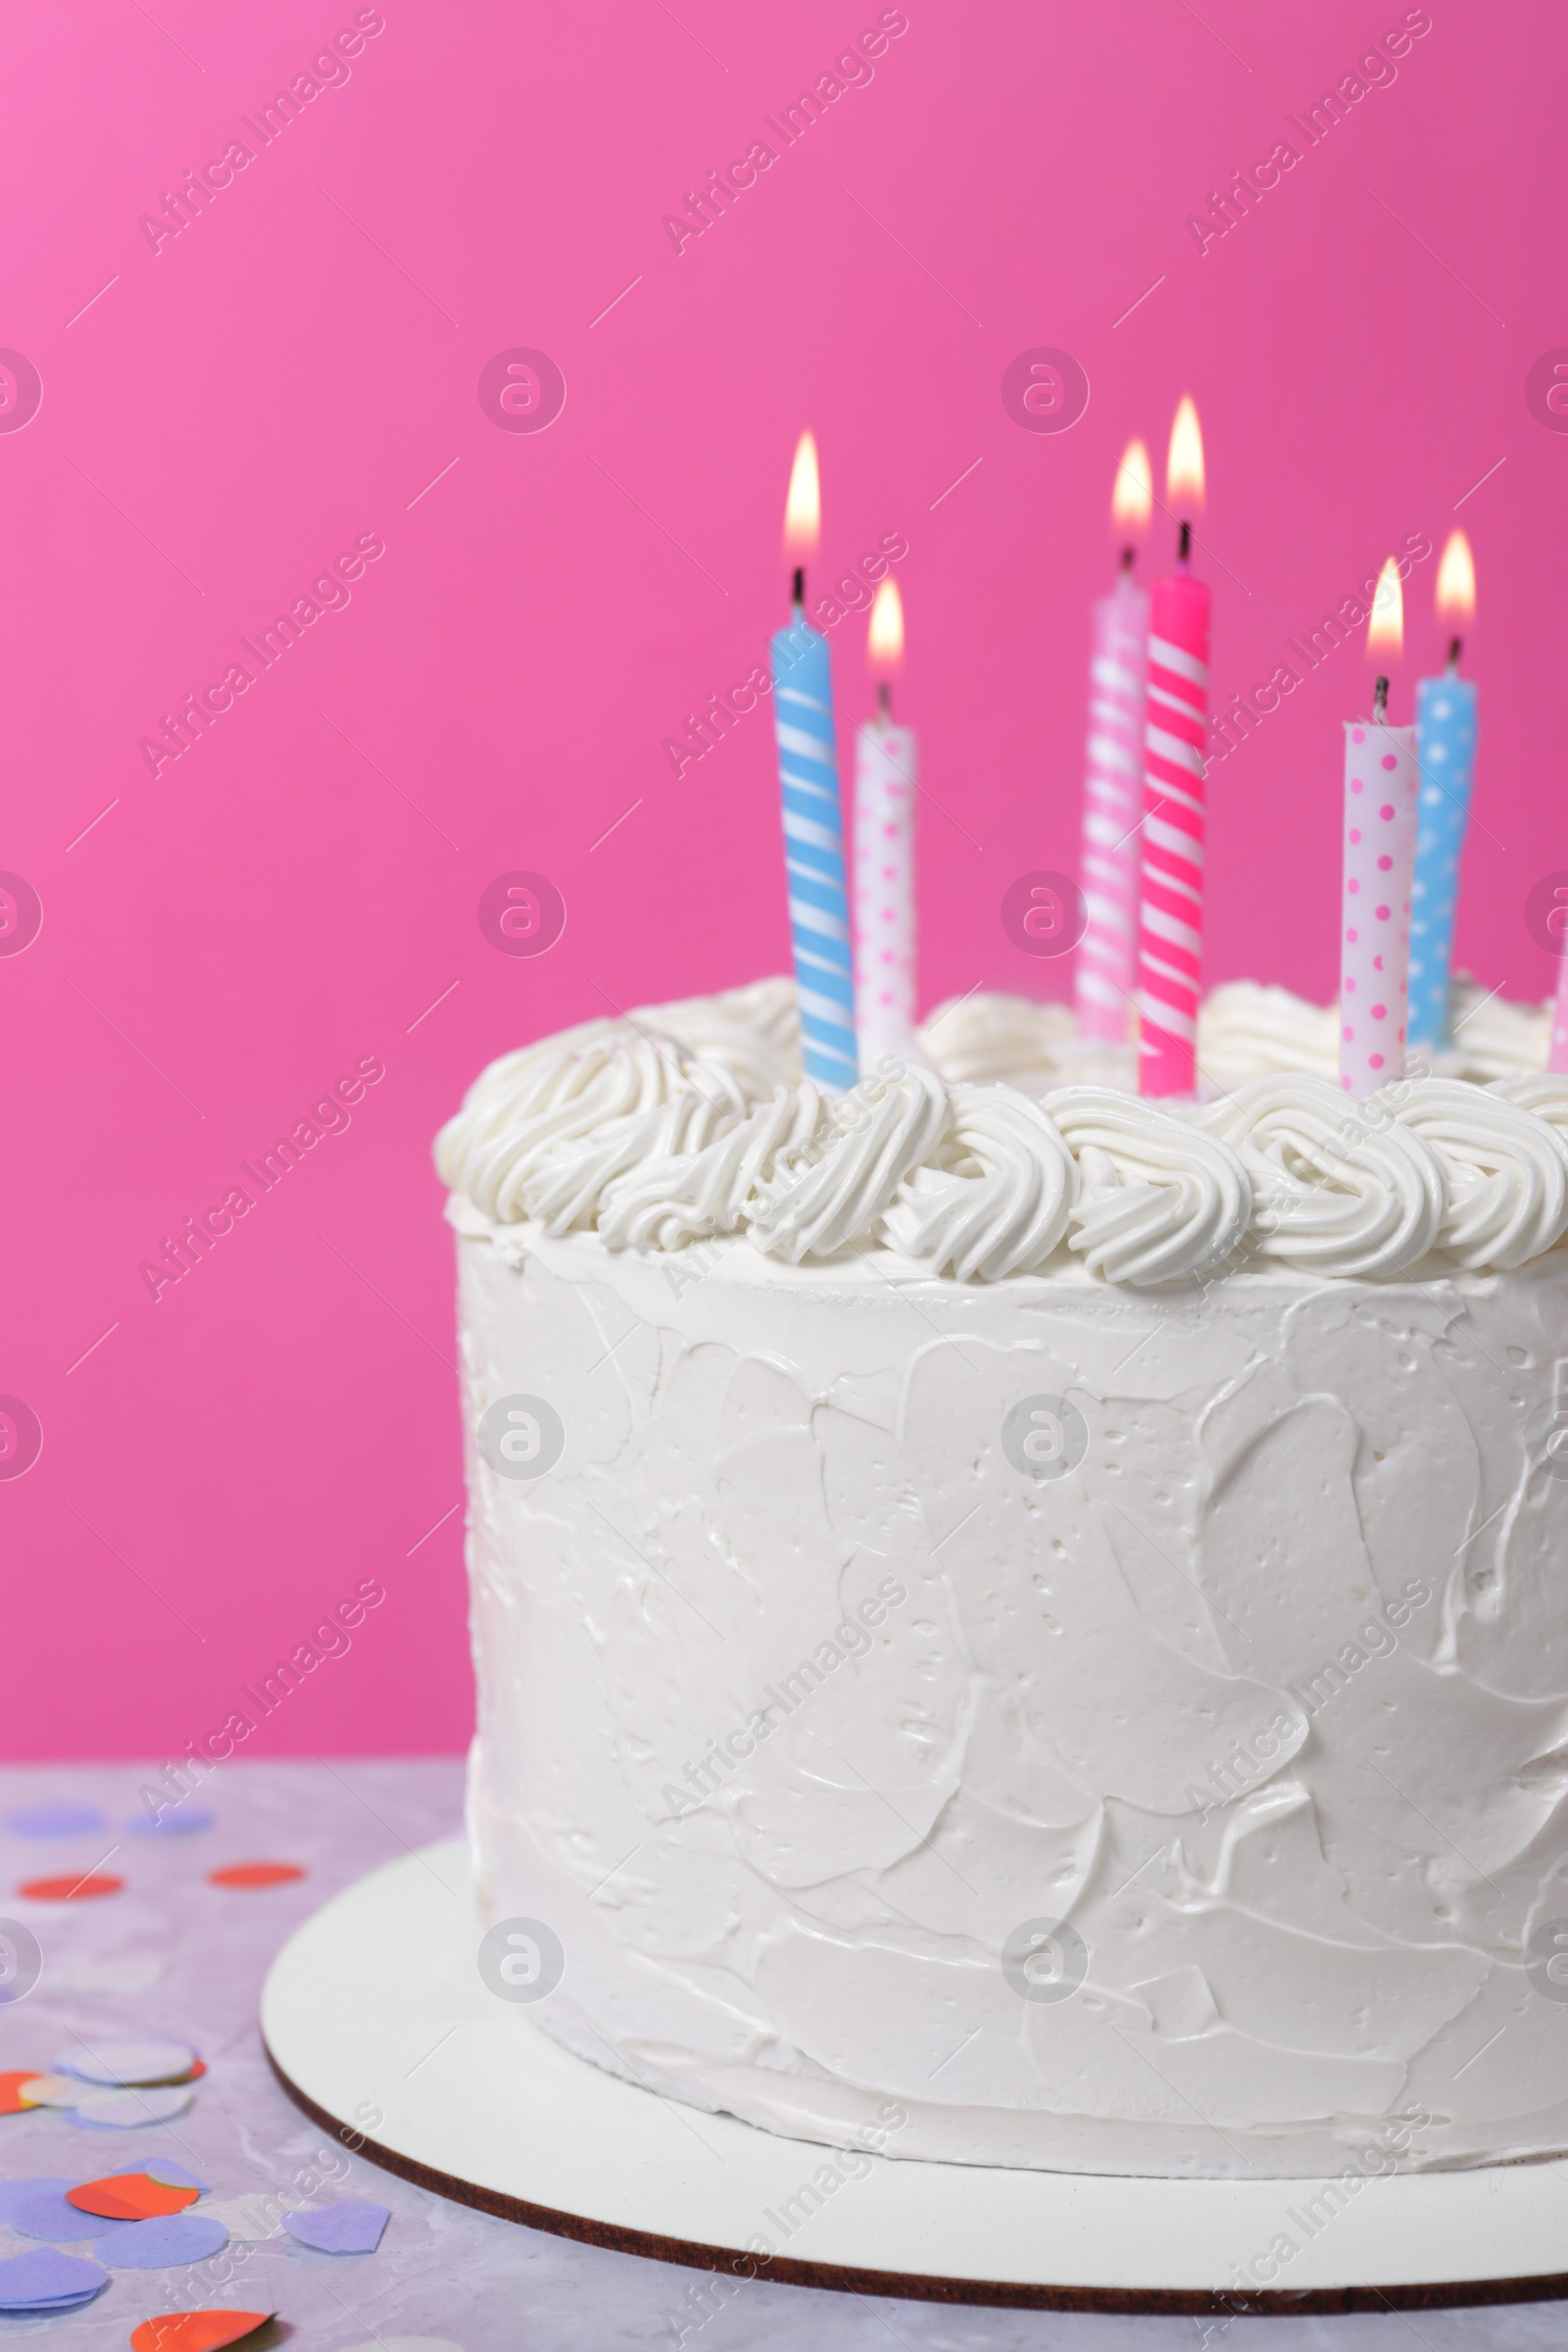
x,y
171,1955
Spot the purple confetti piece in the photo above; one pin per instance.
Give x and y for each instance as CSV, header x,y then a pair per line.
x,y
39,2184
173,2237
353,2226
46,2280
180,1821
50,2216
57,1821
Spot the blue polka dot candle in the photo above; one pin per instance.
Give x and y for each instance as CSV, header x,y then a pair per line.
x,y
813,823
1445,740
1381,783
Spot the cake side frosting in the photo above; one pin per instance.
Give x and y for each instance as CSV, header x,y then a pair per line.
x,y
805,1695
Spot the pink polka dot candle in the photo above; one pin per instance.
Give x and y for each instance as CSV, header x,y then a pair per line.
x,y
1382,795
883,897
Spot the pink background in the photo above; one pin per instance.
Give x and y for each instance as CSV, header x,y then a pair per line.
x,y
299,364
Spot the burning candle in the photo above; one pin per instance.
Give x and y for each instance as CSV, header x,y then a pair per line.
x,y
1446,737
1170,930
884,850
813,825
1113,787
1382,782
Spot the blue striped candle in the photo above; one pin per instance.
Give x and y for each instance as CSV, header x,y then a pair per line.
x,y
814,853
1446,742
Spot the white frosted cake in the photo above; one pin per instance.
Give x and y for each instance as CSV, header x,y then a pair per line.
x,y
1010,1608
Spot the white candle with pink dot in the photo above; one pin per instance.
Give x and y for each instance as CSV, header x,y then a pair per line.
x,y
1382,790
884,851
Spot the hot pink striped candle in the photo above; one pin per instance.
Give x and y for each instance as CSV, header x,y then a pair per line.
x,y
1382,790
1113,799
1170,931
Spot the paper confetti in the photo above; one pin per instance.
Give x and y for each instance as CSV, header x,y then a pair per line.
x,y
51,2215
353,2226
255,1874
46,2280
13,2193
125,2063
51,2091
178,1820
174,2176
196,2330
177,2237
123,2110
57,1821
72,1888
130,2197
10,2084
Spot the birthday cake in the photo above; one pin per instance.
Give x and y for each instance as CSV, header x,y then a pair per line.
x,y
1020,1622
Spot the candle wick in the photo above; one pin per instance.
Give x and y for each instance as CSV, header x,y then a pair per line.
x,y
1380,702
884,699
1184,544
798,592
1456,645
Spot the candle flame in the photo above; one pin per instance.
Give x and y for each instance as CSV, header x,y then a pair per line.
x,y
803,508
1456,580
1384,630
1133,498
1184,468
884,640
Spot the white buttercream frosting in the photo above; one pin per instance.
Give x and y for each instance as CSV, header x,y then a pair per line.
x,y
680,1122
1338,1188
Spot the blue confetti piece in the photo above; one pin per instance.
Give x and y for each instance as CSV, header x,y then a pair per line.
x,y
180,1821
50,2216
57,1821
47,2280
13,2193
353,2226
174,2237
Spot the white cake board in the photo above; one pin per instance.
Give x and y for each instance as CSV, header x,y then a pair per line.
x,y
378,2025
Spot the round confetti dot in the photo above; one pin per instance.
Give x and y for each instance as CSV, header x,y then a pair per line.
x,y
47,2280
129,2197
11,2103
119,2065
195,2331
57,1821
70,1888
1375,1062
256,1873
179,1821
177,2237
125,2110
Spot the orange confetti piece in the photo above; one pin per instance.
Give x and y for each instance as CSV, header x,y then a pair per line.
x,y
256,1873
196,2330
130,2197
70,1889
10,2085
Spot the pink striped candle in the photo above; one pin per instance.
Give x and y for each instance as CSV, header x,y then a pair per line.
x,y
1382,794
1170,931
1110,854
